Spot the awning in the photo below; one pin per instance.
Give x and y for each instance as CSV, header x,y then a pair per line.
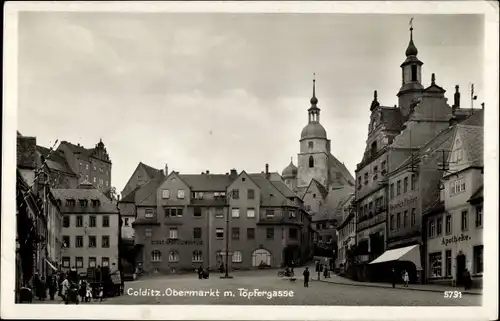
x,y
51,265
409,253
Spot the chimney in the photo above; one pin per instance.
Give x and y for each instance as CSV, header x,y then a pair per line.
x,y
482,106
233,173
456,97
207,172
267,171
166,169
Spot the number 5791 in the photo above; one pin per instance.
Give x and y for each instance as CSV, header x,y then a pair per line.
x,y
452,294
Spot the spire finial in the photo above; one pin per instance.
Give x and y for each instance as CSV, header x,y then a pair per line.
x,y
314,100
433,79
411,28
411,50
291,159
375,95
375,103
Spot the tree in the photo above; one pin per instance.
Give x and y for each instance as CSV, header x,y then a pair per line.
x,y
111,193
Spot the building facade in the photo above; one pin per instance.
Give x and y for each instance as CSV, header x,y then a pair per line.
x,y
346,234
190,220
90,228
454,227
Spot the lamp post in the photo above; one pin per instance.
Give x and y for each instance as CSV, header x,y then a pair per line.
x,y
228,197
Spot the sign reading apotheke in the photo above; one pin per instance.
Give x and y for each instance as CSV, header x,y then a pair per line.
x,y
455,239
176,242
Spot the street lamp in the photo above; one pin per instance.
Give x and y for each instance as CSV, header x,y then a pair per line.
x,y
228,197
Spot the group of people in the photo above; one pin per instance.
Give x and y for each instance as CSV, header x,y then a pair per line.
x,y
404,276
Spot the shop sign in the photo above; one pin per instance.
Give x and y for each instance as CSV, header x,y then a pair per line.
x,y
403,203
455,239
176,242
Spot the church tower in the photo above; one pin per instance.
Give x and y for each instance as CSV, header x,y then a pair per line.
x,y
411,89
313,159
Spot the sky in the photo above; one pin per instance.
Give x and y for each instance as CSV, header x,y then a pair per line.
x,y
216,91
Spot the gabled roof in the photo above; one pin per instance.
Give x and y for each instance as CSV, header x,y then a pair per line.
x,y
146,194
56,161
269,194
475,119
86,193
207,182
334,162
130,197
151,171
332,208
472,140
284,190
478,194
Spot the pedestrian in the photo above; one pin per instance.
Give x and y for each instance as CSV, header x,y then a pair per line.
x,y
467,280
43,289
52,287
88,294
306,277
325,271
393,277
406,278
65,290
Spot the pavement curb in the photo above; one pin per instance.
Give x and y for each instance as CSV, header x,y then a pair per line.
x,y
399,288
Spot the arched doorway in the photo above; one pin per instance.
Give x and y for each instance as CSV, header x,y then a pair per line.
x,y
261,257
460,268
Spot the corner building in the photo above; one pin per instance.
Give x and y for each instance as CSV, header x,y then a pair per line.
x,y
183,224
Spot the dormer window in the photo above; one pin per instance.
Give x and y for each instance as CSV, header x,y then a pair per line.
x,y
70,202
96,203
83,202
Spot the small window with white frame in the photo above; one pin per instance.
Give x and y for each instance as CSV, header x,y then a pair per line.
x,y
180,194
251,212
155,256
235,212
173,256
197,256
237,257
149,213
219,233
173,233
165,194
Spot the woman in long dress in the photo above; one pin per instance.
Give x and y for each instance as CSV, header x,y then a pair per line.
x,y
406,278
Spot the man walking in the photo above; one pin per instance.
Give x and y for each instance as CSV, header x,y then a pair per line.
x,y
306,277
393,277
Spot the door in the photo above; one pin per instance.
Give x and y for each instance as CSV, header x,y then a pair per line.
x,y
261,257
460,268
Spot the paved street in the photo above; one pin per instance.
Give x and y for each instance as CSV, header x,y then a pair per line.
x,y
319,293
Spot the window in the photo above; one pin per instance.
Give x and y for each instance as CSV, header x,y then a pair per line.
x,y
432,228
173,256
107,183
370,206
66,241
148,232
197,211
148,213
398,188
92,221
448,263
87,177
95,203
359,182
95,168
405,185
250,233
95,179
310,144
236,194
235,233
270,233
79,221
366,178
86,166
235,212
165,194
180,194
219,212
414,73
269,213
92,261
250,212
251,194
104,261
79,262
393,226
413,182
219,233
197,256
155,256
197,233
479,216
478,259
405,219
198,195
125,222
236,257
83,203
79,241
398,220
311,162
105,221
173,212
105,241
81,164
173,233
448,224
292,214
435,264
392,190
457,187
439,226
383,167
66,221
464,221
92,241
65,261
293,233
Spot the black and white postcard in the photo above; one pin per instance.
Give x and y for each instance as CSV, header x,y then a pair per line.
x,y
240,160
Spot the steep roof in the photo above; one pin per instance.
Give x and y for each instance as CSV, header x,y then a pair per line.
x,y
333,161
207,182
56,161
322,190
146,194
472,140
84,192
478,194
151,171
476,119
130,197
284,190
332,208
269,194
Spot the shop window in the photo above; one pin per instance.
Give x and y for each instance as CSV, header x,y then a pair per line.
x,y
435,265
155,256
478,259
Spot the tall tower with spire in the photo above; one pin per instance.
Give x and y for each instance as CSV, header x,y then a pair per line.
x,y
313,158
411,89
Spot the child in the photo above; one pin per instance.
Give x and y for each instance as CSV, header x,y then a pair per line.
x,y
88,294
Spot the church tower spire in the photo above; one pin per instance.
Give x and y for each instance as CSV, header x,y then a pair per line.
x,y
411,88
313,111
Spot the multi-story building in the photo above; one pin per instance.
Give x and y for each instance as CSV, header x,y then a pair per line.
x,y
187,221
319,174
88,164
346,231
90,228
454,224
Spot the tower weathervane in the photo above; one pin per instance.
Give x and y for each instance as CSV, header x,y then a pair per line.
x,y
411,23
